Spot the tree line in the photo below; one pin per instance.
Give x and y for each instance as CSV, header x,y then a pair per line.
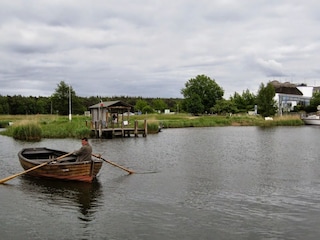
x,y
58,103
202,95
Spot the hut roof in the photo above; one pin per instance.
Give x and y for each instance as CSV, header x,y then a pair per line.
x,y
286,88
111,104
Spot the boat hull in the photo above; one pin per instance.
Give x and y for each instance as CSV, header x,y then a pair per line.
x,y
65,169
311,120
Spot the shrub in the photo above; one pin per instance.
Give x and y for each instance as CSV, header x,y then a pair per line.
x,y
153,127
82,132
4,124
28,132
147,109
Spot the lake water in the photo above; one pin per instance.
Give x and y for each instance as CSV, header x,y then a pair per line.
x,y
191,183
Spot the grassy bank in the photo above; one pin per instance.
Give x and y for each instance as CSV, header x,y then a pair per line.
x,y
54,126
186,120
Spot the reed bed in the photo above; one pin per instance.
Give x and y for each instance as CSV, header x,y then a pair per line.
x,y
35,127
27,131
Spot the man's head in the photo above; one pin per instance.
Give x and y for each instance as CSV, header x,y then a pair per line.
x,y
84,141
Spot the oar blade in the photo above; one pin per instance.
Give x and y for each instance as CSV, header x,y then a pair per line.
x,y
113,164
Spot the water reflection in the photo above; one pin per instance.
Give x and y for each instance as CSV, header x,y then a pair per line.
x,y
86,197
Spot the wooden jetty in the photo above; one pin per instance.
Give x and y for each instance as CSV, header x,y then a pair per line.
x,y
111,119
122,131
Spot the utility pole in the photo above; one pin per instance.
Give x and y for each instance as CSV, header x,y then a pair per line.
x,y
70,115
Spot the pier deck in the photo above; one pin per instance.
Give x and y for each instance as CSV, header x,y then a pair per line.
x,y
123,131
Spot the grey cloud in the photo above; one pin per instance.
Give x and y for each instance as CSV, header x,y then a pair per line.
x,y
151,48
270,68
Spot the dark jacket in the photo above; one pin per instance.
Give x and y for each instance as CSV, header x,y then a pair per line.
x,y
84,153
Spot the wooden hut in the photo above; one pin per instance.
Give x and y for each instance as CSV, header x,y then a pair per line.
x,y
111,118
110,114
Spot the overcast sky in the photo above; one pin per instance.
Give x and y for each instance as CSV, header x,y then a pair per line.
x,y
151,48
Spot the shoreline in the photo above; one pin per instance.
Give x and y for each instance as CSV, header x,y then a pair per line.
x,y
55,126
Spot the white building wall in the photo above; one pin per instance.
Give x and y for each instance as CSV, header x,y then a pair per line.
x,y
306,91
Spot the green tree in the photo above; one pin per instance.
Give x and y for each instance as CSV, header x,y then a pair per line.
x,y
78,105
265,99
60,99
314,102
43,105
159,104
224,106
87,102
4,106
204,89
140,105
244,102
147,109
193,104
17,105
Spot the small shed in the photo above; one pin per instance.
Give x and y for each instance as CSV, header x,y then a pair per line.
x,y
111,113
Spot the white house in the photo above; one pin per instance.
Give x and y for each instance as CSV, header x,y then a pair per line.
x,y
289,95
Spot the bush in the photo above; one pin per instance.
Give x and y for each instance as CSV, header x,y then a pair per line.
x,y
82,132
4,124
28,132
153,127
147,109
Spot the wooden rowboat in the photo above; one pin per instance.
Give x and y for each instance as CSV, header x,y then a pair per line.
x,y
67,168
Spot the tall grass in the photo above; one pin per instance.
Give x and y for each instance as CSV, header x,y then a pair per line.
x,y
51,126
152,127
28,132
185,120
63,128
282,121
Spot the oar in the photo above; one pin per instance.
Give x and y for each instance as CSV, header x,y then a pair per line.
x,y
31,169
114,164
